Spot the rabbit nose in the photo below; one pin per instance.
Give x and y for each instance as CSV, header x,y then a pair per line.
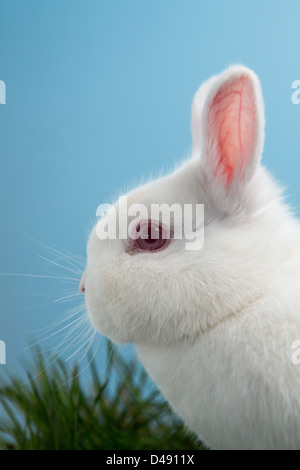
x,y
82,284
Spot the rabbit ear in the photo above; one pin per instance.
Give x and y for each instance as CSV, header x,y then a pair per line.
x,y
197,109
232,134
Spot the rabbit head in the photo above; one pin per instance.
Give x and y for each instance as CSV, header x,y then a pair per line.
x,y
156,291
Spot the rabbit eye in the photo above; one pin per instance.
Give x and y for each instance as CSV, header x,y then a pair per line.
x,y
150,236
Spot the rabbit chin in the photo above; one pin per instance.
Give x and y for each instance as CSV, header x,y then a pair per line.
x,y
102,322
108,315
122,323
115,324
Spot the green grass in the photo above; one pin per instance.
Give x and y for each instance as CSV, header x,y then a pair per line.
x,y
51,410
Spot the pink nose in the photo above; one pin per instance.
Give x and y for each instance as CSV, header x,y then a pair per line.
x,y
82,284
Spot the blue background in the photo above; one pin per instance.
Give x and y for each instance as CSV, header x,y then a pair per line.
x,y
99,96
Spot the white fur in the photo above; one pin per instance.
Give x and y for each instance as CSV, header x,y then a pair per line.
x,y
214,327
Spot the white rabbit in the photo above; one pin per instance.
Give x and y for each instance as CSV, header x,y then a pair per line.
x,y
214,327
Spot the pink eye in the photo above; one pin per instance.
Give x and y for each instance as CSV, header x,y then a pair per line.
x,y
150,236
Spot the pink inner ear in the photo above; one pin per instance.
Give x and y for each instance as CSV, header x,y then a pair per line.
x,y
232,128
